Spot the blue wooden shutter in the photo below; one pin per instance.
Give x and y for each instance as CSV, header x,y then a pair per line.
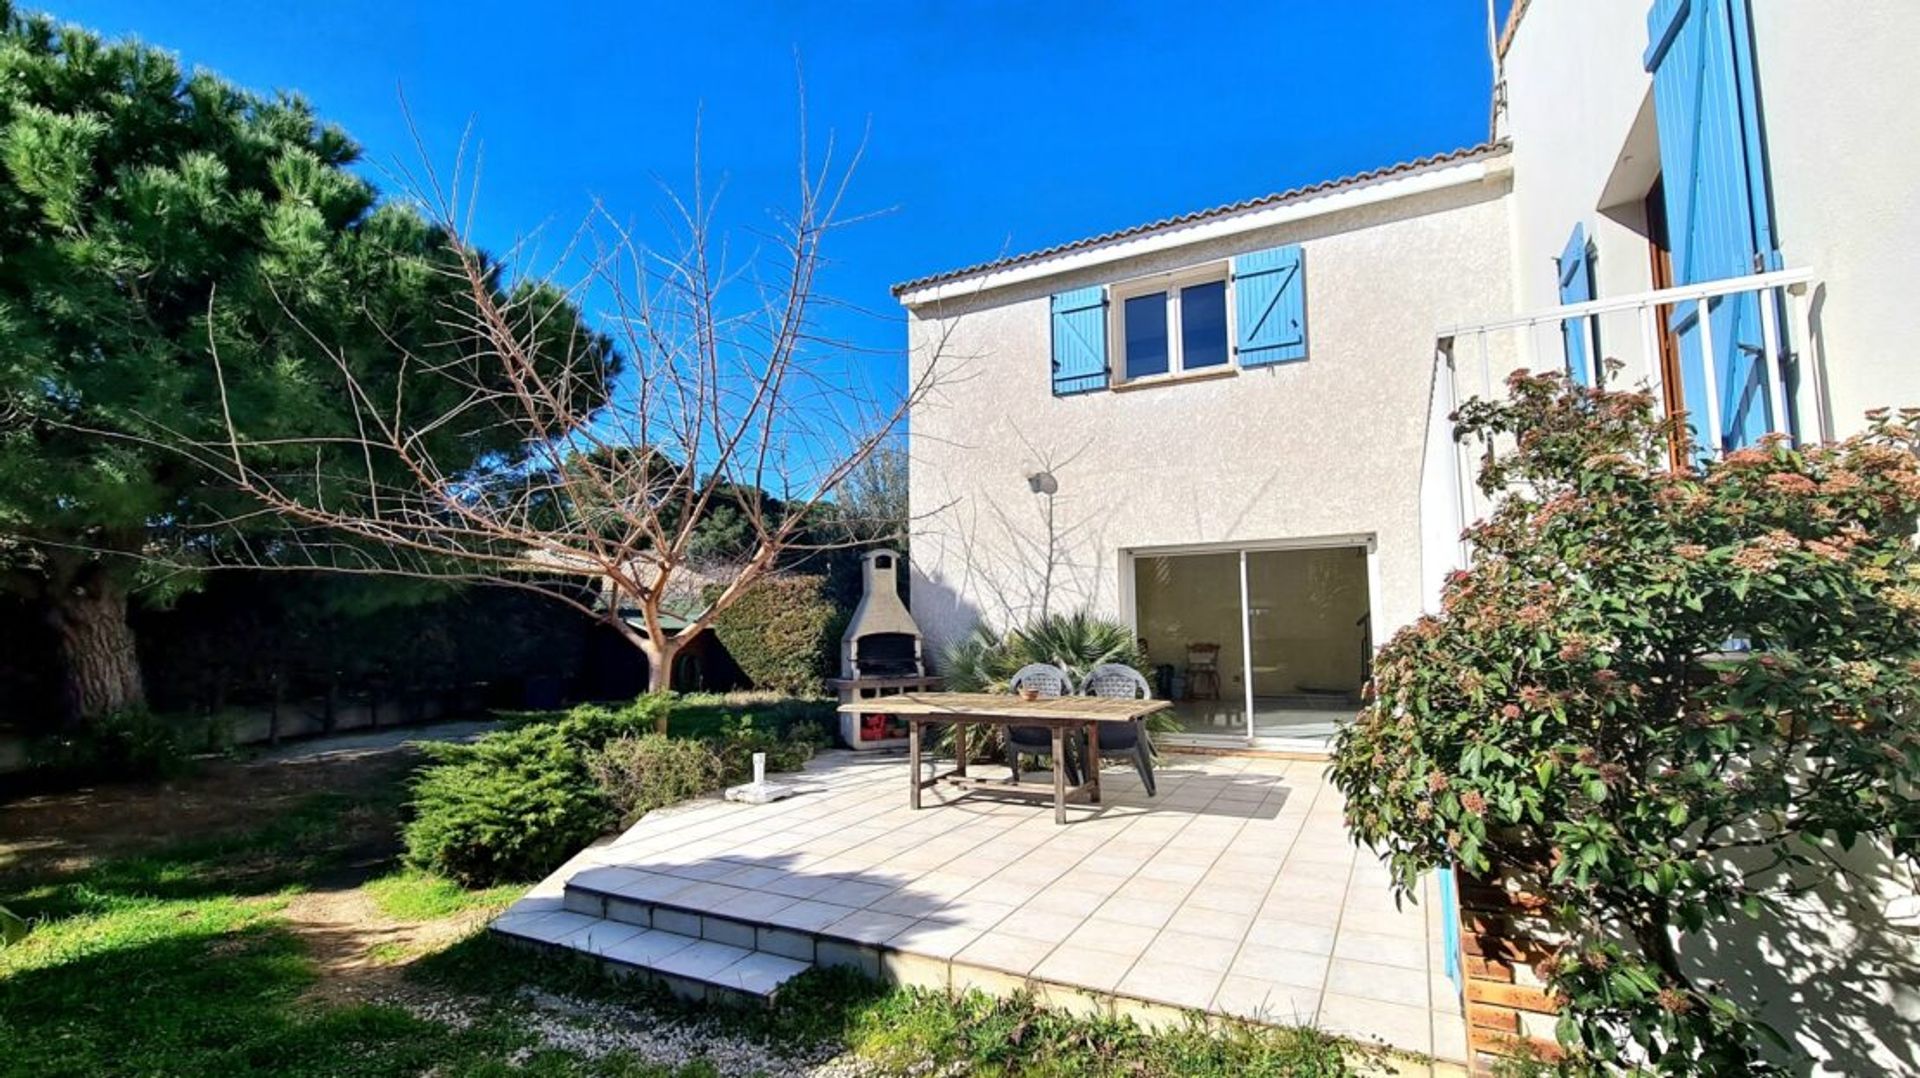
x,y
1270,306
1079,341
1719,212
1576,286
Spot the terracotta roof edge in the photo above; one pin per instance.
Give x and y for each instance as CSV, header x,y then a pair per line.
x,y
1452,157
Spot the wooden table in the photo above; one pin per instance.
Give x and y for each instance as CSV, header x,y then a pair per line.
x,y
1060,714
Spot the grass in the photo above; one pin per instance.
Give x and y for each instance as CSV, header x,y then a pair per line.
x,y
912,1031
412,895
184,960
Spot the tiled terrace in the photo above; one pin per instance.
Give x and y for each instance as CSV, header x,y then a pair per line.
x,y
1235,890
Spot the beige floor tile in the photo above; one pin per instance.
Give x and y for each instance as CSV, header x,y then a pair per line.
x,y
1008,953
1280,907
1136,911
1184,948
1083,968
1407,1028
1118,937
1154,890
1406,924
1040,924
1066,900
1299,969
1169,982
1381,950
1266,1001
1305,886
1171,872
1237,887
982,912
1388,984
869,926
1211,923
935,938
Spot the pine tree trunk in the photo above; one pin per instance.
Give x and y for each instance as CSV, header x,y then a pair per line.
x,y
100,667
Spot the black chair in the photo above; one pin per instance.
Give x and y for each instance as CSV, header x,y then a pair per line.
x,y
1116,739
1038,740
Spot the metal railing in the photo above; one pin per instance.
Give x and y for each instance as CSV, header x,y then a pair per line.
x,y
1760,322
1758,328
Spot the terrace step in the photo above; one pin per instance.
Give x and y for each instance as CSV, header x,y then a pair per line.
x,y
687,965
768,923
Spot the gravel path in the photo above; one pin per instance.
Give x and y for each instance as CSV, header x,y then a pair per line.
x,y
594,1030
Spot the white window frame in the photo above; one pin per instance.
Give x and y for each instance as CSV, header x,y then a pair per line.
x,y
1171,283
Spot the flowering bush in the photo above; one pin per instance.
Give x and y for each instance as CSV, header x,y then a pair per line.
x,y
1656,696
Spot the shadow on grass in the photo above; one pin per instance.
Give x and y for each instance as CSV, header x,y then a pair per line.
x,y
209,995
324,839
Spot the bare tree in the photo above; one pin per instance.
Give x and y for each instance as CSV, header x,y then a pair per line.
x,y
706,391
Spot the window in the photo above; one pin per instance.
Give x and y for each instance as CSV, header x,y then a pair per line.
x,y
1145,321
1240,314
1172,324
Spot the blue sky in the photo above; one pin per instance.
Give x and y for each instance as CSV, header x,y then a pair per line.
x,y
992,127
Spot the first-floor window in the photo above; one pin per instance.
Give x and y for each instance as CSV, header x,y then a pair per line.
x,y
1174,327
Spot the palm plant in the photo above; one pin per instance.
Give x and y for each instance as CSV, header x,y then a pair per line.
x,y
985,660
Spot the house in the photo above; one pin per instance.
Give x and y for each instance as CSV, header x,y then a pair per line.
x,y
1224,414
1229,427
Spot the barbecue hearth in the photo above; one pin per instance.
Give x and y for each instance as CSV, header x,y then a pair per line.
x,y
879,653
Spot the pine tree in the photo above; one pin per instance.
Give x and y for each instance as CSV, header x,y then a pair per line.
x,y
149,216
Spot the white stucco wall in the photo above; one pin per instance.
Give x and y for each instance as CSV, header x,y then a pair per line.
x,y
1838,88
1328,447
1576,92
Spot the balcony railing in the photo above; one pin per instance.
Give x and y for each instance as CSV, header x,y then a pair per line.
x,y
1764,375
1745,352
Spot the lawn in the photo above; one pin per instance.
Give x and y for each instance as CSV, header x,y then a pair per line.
x,y
292,942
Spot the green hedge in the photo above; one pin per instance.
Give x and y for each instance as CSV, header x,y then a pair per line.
x,y
783,634
517,803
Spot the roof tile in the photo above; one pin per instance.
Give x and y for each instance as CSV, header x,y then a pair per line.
x,y
1466,153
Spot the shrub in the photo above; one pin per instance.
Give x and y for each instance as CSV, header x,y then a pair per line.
x,y
1655,697
135,744
781,633
518,802
640,774
747,735
511,806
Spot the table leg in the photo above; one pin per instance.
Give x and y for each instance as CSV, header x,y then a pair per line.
x,y
959,748
1093,762
913,760
1059,774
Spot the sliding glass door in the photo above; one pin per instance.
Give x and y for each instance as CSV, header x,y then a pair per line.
x,y
1258,643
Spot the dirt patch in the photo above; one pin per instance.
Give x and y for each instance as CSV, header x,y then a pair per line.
x,y
360,953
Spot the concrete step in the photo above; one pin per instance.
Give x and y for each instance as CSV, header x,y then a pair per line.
x,y
687,965
614,894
